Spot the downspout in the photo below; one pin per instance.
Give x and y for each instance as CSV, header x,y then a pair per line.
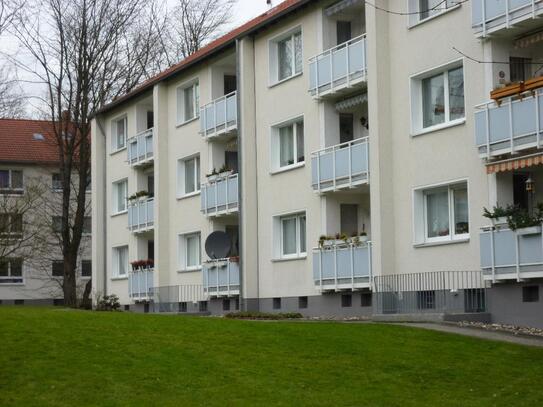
x,y
256,184
104,203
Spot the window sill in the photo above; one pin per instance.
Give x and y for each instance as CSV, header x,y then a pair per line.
x,y
444,242
12,284
119,213
288,168
190,270
439,127
282,259
187,122
191,195
421,22
274,84
86,277
120,278
117,151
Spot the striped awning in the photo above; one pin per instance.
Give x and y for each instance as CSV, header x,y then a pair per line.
x,y
514,164
341,5
351,102
529,40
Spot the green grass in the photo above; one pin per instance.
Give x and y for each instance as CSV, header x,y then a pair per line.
x,y
61,357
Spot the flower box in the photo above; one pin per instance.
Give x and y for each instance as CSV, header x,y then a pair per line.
x,y
532,230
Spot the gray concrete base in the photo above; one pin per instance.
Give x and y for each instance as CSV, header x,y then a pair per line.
x,y
415,317
506,305
470,317
31,302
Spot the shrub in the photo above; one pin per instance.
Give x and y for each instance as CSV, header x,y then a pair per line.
x,y
263,315
108,303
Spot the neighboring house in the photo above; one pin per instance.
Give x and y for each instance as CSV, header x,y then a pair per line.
x,y
30,273
335,117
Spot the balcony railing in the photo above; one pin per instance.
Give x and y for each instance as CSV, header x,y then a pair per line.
x,y
221,278
341,166
489,16
140,148
140,284
141,215
219,117
339,68
515,124
220,197
345,266
508,254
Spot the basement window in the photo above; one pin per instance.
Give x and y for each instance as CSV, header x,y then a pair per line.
x,y
530,293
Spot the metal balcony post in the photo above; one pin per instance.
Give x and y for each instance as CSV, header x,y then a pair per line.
x,y
335,264
506,13
517,256
487,118
511,125
537,118
320,268
334,167
352,264
331,71
347,68
351,144
492,255
226,197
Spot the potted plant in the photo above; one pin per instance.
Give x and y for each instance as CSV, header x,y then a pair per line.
x,y
363,237
326,241
224,171
212,176
142,195
149,264
499,214
524,223
136,265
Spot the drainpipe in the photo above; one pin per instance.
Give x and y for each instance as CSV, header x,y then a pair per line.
x,y
104,214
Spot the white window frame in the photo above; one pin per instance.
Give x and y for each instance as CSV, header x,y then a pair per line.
x,y
115,262
420,213
114,208
278,238
183,251
180,101
276,145
10,190
115,147
414,17
273,55
10,276
417,98
181,168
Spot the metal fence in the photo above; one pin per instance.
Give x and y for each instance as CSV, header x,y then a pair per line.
x,y
430,292
179,298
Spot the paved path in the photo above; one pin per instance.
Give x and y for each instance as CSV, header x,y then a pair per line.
x,y
479,333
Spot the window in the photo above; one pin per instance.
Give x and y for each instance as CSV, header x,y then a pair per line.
x,y
56,182
286,56
11,225
438,99
474,300
442,213
183,306
120,195
188,176
56,224
86,268
365,299
288,144
302,302
118,134
520,69
202,306
57,268
11,271
87,225
236,304
277,303
226,304
11,182
189,251
120,261
530,293
346,300
188,102
424,9
292,235
426,299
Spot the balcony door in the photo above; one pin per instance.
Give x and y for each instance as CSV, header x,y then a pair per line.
x,y
150,120
230,84
348,218
151,185
346,127
232,231
151,249
231,160
344,31
520,195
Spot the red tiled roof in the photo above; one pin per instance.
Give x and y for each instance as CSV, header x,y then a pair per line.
x,y
19,145
214,46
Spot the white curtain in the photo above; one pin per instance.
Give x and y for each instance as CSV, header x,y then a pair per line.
x,y
433,100
298,52
461,216
437,213
289,235
286,146
303,247
121,132
121,196
189,103
284,49
456,93
122,258
190,184
193,250
300,141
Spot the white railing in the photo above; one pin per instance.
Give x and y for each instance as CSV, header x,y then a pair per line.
x,y
221,277
140,148
140,284
220,116
220,196
492,15
344,165
141,215
343,266
340,67
513,124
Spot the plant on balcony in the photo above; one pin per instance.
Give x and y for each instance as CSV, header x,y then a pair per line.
x,y
522,219
142,264
499,214
224,171
212,176
234,259
138,195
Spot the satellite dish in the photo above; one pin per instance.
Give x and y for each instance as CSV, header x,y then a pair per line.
x,y
218,245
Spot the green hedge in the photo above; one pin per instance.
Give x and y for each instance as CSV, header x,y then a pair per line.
x,y
263,315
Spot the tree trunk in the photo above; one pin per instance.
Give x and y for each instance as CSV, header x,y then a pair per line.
x,y
86,300
69,285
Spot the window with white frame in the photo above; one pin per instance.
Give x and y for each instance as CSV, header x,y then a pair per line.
x,y
288,144
442,213
118,133
188,176
120,261
421,10
291,238
190,257
86,268
188,102
120,195
11,182
11,271
11,225
438,98
286,58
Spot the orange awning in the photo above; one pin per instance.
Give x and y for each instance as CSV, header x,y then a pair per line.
x,y
514,164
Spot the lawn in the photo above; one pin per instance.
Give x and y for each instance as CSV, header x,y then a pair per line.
x,y
53,356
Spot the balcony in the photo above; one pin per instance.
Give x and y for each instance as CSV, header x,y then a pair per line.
x,y
220,117
339,69
490,16
342,267
221,278
140,284
342,166
220,197
511,255
140,148
513,125
141,215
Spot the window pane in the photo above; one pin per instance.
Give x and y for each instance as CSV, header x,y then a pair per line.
x,y
189,102
285,58
190,185
121,196
461,224
300,141
4,268
17,223
120,133
298,52
16,179
303,248
437,207
16,267
433,102
428,8
456,93
193,250
87,224
197,173
4,178
86,268
197,98
4,223
286,146
122,257
57,269
57,224
289,235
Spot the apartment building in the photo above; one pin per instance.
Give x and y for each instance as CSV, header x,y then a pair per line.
x,y
346,150
31,265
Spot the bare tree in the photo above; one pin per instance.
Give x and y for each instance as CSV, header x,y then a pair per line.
x,y
12,100
8,11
